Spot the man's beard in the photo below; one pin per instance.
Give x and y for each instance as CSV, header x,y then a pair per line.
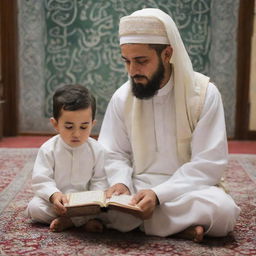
x,y
148,90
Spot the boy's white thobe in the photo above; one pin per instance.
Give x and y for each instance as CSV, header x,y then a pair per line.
x,y
61,168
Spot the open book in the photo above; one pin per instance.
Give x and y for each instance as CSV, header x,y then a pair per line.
x,y
93,202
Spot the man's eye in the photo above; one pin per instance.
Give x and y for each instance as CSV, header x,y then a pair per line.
x,y
83,127
69,127
126,61
142,61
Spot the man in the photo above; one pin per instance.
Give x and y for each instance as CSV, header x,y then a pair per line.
x,y
165,133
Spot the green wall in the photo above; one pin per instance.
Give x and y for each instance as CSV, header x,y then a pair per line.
x,y
76,41
82,44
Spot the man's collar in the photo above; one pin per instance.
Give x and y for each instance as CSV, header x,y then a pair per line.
x,y
166,88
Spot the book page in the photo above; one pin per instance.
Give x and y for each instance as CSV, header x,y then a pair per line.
x,y
121,200
86,197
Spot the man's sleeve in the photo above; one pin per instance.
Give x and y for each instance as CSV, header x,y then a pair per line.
x,y
209,153
113,136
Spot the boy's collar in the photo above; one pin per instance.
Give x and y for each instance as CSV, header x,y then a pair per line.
x,y
65,145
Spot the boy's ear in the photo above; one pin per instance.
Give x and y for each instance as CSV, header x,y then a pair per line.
x,y
94,122
54,123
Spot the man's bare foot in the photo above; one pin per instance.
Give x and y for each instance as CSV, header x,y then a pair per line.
x,y
194,233
61,223
94,226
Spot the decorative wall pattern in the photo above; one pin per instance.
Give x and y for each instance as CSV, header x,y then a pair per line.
x,y
82,42
31,67
224,17
76,41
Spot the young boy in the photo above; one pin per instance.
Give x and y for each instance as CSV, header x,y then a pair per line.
x,y
68,162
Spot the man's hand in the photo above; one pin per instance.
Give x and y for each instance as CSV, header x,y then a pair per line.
x,y
117,189
58,200
147,200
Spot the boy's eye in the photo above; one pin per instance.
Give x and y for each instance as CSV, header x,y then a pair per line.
x,y
69,127
83,127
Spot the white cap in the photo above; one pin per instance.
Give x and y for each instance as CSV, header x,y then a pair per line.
x,y
143,30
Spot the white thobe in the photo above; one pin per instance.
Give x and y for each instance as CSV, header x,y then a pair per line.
x,y
61,168
186,193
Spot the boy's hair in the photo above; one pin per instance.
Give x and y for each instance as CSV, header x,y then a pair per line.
x,y
71,98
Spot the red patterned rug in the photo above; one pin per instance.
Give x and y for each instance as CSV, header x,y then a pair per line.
x,y
19,236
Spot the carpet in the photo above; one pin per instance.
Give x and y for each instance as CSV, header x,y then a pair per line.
x,y
19,236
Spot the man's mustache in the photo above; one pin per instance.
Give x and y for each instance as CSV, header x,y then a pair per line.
x,y
138,76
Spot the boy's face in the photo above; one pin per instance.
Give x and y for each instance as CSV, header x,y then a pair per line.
x,y
74,127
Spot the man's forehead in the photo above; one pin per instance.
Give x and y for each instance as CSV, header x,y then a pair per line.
x,y
136,50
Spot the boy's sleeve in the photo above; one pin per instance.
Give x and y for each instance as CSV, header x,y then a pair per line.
x,y
43,182
99,178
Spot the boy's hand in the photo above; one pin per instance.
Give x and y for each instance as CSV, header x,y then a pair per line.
x,y
58,200
147,201
117,189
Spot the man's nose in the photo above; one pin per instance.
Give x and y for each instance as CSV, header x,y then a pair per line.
x,y
133,69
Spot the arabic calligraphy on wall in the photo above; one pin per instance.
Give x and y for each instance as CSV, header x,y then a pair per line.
x,y
82,46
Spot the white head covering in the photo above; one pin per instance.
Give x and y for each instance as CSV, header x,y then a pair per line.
x,y
137,29
151,26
